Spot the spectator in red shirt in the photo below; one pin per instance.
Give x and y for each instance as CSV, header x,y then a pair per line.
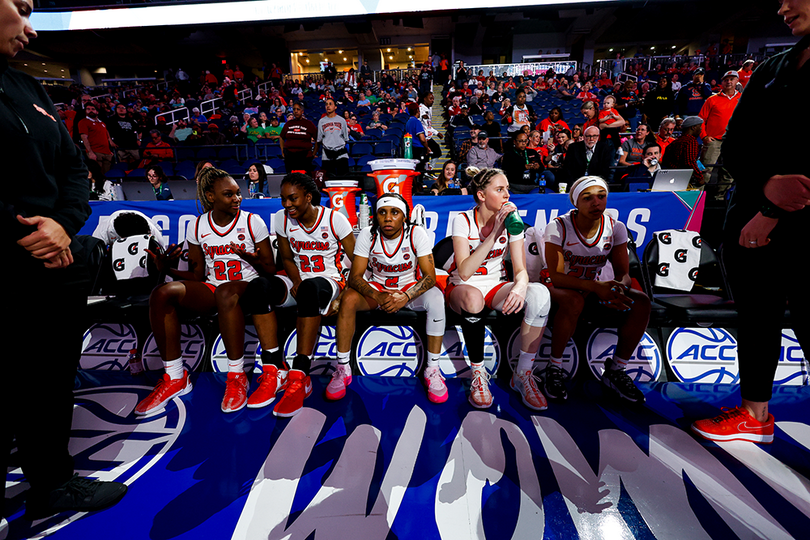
x,y
590,114
746,72
297,137
156,149
238,75
683,152
664,135
96,139
716,113
554,122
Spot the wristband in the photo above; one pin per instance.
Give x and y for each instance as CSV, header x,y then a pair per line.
x,y
770,210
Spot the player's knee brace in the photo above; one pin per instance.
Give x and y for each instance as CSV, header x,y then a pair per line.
x,y
258,296
473,327
537,305
313,295
434,306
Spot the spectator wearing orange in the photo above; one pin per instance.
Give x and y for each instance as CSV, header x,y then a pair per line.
x,y
664,136
156,149
745,73
554,122
96,139
716,113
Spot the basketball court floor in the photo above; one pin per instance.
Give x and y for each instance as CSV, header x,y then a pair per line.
x,y
384,463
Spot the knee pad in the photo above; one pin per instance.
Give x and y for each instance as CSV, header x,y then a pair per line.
x,y
313,295
537,305
473,327
261,294
434,307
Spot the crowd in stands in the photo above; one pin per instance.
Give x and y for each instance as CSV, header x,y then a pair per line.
x,y
524,124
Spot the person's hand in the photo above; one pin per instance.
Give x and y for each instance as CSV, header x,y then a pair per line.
x,y
755,233
612,294
294,289
250,257
789,192
48,241
91,156
62,260
515,299
708,139
394,301
113,145
439,135
500,217
163,260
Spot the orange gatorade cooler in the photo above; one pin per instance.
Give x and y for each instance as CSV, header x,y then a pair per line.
x,y
341,197
394,176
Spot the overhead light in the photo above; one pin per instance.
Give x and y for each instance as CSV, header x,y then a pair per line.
x,y
25,64
390,57
652,48
673,46
386,50
45,70
43,63
340,51
409,48
410,56
307,60
344,58
610,50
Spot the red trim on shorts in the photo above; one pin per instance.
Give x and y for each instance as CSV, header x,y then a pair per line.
x,y
491,294
211,286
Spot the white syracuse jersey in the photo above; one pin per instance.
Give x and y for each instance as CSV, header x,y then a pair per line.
x,y
393,263
492,269
584,258
246,230
316,251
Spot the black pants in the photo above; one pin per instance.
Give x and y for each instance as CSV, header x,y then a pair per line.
x,y
41,343
335,167
764,281
298,161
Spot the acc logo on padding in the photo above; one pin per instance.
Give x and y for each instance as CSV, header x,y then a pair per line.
x,y
643,366
453,360
324,355
192,347
704,355
219,357
389,351
107,346
570,356
792,367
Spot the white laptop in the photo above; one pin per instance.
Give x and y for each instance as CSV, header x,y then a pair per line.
x,y
671,180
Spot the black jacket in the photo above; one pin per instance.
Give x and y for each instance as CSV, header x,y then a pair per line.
x,y
44,173
576,164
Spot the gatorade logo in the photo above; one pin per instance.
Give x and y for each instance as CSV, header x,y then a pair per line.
x,y
533,249
133,248
680,255
663,269
337,200
118,265
665,238
693,273
696,241
391,184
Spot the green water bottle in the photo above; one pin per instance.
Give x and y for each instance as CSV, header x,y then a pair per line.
x,y
407,143
513,223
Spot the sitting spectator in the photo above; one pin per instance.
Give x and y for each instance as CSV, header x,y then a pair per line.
x,y
506,104
650,164
659,103
375,122
564,91
518,115
254,131
481,155
631,151
156,149
416,130
213,137
683,152
664,136
447,177
273,131
235,135
180,131
576,133
462,119
557,149
592,157
257,178
156,177
554,121
354,127
521,165
466,144
590,114
199,117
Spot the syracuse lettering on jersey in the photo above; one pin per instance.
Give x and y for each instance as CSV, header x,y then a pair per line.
x,y
211,251
390,268
584,260
308,245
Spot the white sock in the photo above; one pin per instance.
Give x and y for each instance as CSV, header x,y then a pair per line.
x,y
343,357
433,360
174,368
525,362
236,366
557,362
619,363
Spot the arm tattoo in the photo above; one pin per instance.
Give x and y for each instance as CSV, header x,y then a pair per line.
x,y
361,285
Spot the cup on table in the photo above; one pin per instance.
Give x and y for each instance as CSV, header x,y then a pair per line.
x,y
562,187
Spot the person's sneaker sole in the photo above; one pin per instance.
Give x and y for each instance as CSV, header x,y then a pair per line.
x,y
162,407
523,398
749,437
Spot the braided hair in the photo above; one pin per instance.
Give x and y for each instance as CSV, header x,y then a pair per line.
x,y
480,179
406,226
306,183
205,183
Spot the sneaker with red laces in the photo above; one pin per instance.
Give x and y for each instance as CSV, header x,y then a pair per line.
x,y
735,424
235,392
524,383
341,378
480,396
434,382
272,381
166,389
299,387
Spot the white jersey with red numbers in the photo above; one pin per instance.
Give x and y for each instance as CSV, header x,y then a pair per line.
x,y
246,230
492,269
585,257
393,263
317,250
